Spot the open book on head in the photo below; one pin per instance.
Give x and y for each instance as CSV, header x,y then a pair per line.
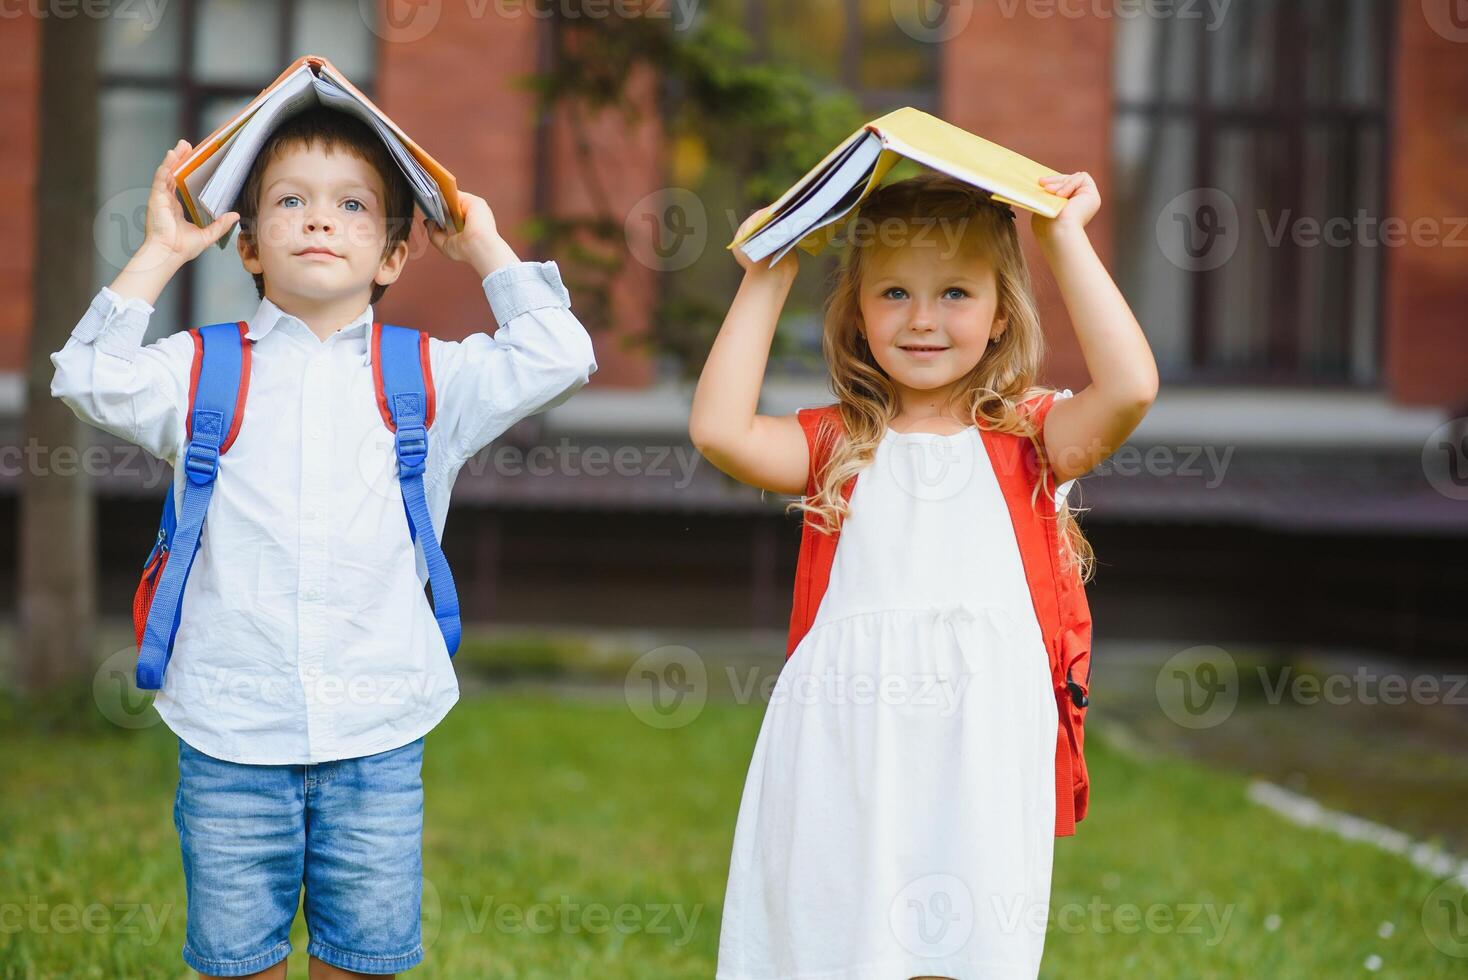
x,y
210,179
811,212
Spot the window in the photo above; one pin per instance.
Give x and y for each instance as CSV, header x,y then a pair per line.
x,y
1249,172
183,75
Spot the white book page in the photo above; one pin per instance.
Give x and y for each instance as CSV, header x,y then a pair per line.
x,y
831,197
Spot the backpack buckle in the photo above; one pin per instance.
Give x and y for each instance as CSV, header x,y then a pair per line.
x,y
412,447
201,462
1077,693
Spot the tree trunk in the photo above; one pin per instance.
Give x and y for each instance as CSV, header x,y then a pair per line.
x,y
56,634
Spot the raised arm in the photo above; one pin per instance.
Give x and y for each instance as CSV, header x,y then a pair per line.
x,y
765,451
1082,431
103,373
538,357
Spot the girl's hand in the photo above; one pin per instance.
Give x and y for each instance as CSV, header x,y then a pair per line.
x,y
1083,200
169,235
786,268
479,244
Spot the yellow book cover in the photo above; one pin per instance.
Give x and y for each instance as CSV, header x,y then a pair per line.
x,y
816,206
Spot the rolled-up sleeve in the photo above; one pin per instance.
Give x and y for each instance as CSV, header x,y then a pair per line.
x,y
539,356
108,378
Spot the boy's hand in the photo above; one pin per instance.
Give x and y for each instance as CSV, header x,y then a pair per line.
x,y
786,268
1083,201
479,244
170,239
169,234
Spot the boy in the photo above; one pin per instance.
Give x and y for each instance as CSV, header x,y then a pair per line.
x,y
308,665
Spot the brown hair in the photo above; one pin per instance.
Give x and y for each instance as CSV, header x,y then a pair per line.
x,y
1003,378
335,132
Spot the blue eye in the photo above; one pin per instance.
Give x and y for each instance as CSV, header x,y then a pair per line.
x,y
288,197
962,293
359,205
894,289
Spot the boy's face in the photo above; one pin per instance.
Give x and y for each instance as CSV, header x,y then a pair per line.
x,y
321,229
929,311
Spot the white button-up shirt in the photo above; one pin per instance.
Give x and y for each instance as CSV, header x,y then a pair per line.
x,y
305,633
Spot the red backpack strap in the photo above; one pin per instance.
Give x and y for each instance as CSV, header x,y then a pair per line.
x,y
198,366
822,428
430,404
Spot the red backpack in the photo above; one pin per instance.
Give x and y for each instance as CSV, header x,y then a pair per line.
x,y
1058,594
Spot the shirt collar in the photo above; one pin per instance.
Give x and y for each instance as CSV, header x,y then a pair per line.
x,y
268,316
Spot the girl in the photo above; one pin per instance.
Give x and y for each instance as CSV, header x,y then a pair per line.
x,y
900,811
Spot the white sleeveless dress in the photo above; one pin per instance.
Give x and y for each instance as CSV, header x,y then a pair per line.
x,y
898,819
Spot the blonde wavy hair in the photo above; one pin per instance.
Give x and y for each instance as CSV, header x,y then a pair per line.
x,y
1003,378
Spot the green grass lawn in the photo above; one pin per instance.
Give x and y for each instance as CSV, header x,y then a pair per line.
x,y
566,839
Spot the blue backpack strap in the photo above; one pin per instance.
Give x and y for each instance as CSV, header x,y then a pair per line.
x,y
404,383
219,385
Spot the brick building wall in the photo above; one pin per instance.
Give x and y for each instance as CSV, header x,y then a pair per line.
x,y
1426,330
20,73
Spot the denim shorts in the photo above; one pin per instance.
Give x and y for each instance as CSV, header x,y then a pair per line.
x,y
350,830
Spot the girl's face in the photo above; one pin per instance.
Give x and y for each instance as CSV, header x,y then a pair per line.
x,y
928,311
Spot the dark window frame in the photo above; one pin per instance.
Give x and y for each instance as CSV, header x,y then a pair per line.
x,y
1289,115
